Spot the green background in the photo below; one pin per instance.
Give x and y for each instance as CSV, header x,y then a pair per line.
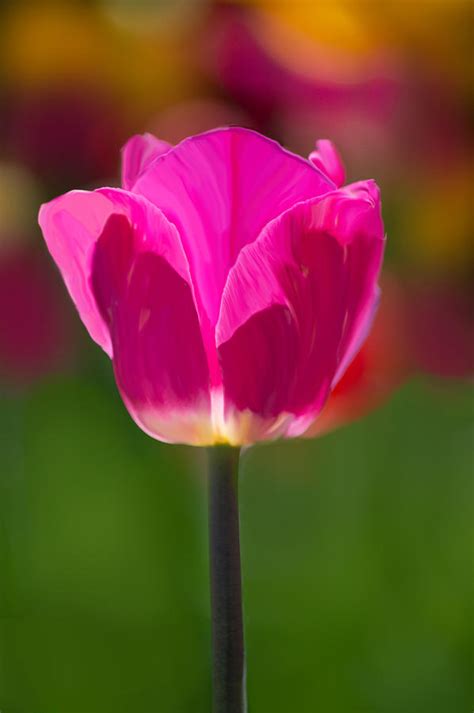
x,y
357,560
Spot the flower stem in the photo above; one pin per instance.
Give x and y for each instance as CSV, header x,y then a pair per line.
x,y
228,670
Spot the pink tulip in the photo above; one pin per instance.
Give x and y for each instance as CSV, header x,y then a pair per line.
x,y
230,281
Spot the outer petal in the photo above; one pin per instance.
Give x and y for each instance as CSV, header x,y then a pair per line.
x,y
71,225
327,159
366,221
127,273
137,154
294,306
144,293
220,189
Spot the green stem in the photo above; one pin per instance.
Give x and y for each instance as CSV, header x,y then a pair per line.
x,y
228,671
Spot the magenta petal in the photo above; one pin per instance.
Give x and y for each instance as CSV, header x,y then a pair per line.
x,y
294,307
71,225
359,210
327,159
220,189
127,273
137,154
159,358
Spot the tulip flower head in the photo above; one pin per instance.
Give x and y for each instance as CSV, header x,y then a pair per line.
x,y
230,281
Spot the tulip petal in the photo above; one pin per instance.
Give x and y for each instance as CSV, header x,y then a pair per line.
x,y
366,221
294,308
326,157
159,358
137,154
220,189
126,270
71,225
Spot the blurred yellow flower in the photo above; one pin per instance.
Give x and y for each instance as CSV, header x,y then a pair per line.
x,y
354,33
19,198
437,220
45,43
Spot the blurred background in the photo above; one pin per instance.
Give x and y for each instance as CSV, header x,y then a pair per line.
x,y
357,543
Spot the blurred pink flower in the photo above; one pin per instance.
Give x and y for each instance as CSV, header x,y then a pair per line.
x,y
440,328
35,334
183,118
65,136
267,67
231,283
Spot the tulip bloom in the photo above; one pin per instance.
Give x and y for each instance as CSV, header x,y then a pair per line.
x,y
230,281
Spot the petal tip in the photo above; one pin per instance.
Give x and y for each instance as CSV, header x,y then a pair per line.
x,y
328,160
